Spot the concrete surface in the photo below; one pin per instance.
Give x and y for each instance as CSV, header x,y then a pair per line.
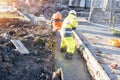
x,y
96,39
74,69
93,66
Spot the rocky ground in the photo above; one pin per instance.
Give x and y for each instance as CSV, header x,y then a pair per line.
x,y
39,64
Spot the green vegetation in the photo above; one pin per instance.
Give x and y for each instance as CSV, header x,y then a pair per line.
x,y
115,31
12,15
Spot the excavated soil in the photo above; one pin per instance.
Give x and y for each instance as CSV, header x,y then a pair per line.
x,y
39,64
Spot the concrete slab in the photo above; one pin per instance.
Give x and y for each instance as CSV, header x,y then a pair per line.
x,y
20,47
93,66
97,38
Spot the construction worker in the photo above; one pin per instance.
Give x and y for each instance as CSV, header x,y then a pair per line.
x,y
67,42
56,22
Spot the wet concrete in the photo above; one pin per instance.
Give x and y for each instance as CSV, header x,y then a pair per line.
x,y
74,69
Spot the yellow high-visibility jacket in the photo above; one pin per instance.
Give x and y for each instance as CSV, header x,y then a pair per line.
x,y
69,23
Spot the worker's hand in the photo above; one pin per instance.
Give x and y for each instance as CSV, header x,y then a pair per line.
x,y
73,28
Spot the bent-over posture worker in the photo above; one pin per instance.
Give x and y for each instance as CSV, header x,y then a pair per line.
x,y
67,43
56,21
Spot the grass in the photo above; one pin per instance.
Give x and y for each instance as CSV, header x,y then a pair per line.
x,y
115,31
12,15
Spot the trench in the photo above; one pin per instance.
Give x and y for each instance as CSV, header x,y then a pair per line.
x,y
74,69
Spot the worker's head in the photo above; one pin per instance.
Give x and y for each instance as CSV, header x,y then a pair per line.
x,y
72,12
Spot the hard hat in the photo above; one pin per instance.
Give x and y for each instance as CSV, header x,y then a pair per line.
x,y
72,12
58,12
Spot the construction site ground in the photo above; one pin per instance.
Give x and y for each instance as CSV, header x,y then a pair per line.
x,y
73,69
96,38
39,63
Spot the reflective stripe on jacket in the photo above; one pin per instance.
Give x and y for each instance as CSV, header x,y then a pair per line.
x,y
69,23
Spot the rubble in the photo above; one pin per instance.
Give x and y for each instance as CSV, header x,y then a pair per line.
x,y
114,65
39,64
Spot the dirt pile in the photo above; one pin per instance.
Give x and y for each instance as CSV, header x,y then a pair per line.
x,y
39,64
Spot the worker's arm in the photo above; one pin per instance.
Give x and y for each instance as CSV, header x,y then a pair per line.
x,y
51,22
74,23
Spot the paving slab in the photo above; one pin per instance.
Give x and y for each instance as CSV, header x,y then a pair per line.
x,y
97,40
20,47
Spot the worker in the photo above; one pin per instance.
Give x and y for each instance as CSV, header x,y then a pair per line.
x,y
56,22
67,42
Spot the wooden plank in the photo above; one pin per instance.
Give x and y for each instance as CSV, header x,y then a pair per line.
x,y
61,74
27,16
20,47
23,15
58,74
